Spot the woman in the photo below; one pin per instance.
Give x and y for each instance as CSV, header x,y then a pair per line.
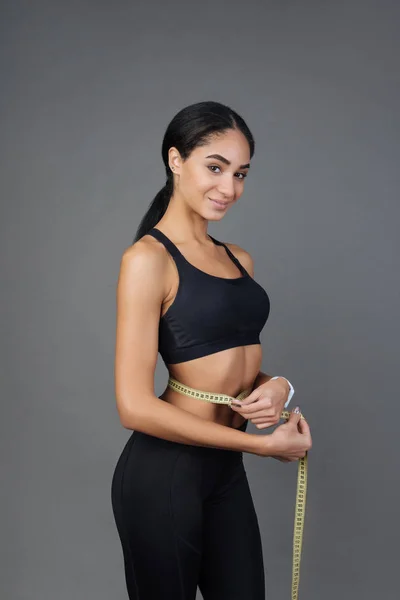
x,y
180,494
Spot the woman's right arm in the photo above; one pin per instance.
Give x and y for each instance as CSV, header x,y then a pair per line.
x,y
141,289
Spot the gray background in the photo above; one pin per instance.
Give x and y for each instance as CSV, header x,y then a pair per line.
x,y
88,89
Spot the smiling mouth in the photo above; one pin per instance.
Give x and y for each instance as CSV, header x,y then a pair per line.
x,y
219,203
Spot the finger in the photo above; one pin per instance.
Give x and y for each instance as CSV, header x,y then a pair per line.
x,y
253,397
262,407
294,417
273,420
234,405
260,416
281,458
264,421
243,408
304,426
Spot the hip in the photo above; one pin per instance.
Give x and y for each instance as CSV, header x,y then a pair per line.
x,y
149,466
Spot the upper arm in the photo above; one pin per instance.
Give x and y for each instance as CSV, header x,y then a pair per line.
x,y
140,293
243,257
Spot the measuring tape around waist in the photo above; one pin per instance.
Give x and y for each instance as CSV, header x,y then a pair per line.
x,y
301,489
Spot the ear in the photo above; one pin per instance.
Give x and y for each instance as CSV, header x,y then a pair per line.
x,y
174,160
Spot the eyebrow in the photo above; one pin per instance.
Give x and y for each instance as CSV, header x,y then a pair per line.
x,y
226,161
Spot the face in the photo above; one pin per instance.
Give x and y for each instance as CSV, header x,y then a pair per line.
x,y
210,185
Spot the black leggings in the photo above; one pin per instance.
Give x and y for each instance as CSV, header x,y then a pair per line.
x,y
186,519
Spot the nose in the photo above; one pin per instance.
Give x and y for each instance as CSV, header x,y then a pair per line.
x,y
227,187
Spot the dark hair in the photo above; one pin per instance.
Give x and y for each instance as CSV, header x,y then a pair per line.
x,y
193,126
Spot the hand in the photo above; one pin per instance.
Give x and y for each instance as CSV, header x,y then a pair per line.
x,y
289,442
264,405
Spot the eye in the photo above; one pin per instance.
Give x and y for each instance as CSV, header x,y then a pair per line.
x,y
243,175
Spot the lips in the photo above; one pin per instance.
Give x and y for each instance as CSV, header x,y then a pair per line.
x,y
219,203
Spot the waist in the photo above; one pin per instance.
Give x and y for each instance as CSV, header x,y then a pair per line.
x,y
206,396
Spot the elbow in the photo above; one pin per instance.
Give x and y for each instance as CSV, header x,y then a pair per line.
x,y
131,413
127,414
126,422
130,419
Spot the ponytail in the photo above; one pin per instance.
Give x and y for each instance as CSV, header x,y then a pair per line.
x,y
156,209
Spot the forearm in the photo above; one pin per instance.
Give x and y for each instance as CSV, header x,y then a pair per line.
x,y
164,420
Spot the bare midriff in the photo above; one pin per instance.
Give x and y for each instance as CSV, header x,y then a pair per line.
x,y
226,372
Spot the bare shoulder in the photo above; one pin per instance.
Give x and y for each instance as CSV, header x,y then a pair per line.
x,y
243,257
145,260
145,252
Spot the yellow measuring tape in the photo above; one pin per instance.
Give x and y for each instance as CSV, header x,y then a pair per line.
x,y
301,490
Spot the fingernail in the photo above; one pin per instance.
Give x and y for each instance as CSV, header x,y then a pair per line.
x,y
297,409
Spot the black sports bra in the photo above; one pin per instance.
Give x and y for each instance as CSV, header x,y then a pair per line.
x,y
209,313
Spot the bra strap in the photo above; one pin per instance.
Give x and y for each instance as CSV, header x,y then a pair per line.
x,y
231,255
173,250
161,237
